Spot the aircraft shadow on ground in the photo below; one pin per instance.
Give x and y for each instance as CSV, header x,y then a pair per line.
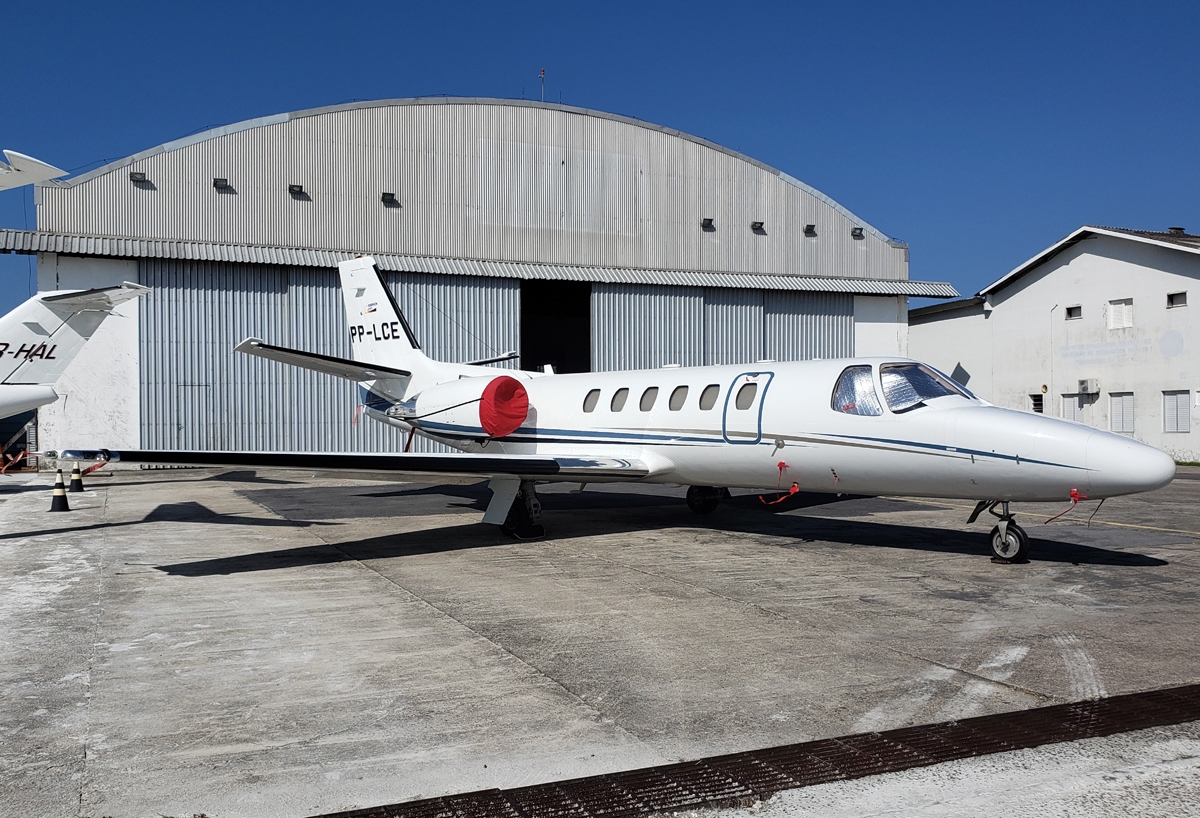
x,y
793,531
189,512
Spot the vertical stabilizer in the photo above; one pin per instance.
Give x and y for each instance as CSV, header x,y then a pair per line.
x,y
379,333
42,336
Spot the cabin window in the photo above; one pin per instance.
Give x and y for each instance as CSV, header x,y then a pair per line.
x,y
908,386
677,398
745,396
589,403
855,392
648,398
618,400
708,398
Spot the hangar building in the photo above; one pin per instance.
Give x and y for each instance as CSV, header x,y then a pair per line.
x,y
1096,328
579,239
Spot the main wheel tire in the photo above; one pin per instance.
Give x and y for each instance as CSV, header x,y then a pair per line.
x,y
1013,546
703,499
519,524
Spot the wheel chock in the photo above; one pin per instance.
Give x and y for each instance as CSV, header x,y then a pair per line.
x,y
59,502
76,481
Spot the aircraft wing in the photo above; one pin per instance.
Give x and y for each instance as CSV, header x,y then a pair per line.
x,y
542,467
25,170
103,298
328,364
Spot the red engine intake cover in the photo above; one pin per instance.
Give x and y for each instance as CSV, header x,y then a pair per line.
x,y
503,407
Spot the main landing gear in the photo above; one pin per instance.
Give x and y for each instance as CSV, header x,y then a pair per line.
x,y
705,499
1009,541
523,515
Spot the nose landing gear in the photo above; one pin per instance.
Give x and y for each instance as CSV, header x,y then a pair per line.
x,y
1009,541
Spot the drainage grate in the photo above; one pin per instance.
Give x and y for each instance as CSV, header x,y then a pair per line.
x,y
741,779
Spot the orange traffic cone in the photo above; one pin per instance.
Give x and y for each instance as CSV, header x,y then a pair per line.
x,y
59,503
76,480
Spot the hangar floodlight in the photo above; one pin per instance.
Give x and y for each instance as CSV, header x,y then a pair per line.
x,y
707,224
757,227
810,230
389,199
856,232
137,177
296,190
221,183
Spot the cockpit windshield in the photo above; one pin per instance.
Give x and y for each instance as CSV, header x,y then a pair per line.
x,y
907,386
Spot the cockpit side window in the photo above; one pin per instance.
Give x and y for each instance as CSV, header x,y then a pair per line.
x,y
855,392
907,386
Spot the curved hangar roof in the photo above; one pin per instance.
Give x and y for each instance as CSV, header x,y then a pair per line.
x,y
495,181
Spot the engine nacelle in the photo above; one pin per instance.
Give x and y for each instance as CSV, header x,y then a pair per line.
x,y
498,405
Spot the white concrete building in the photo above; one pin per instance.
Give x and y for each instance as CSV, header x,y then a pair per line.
x,y
1097,329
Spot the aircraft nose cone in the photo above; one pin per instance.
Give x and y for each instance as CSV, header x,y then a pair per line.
x,y
1121,465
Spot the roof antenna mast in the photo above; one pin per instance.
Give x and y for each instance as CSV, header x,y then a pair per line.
x,y
542,77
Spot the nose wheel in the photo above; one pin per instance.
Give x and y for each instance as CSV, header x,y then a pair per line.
x,y
1009,541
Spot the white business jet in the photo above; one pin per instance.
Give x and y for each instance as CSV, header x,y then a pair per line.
x,y
868,426
42,336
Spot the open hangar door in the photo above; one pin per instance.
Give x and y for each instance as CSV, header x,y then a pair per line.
x,y
556,325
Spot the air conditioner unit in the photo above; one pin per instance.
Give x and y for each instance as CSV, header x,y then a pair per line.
x,y
1089,386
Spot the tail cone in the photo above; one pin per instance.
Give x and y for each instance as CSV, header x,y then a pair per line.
x,y
59,503
76,480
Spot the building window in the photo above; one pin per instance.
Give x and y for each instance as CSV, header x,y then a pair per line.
x,y
678,397
1176,300
1074,312
1072,407
1120,313
855,392
1120,412
618,400
589,402
648,398
1036,403
708,398
1177,412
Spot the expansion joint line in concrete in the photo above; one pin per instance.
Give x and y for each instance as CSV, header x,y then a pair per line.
x,y
1009,685
101,542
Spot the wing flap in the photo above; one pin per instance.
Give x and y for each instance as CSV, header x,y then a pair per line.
x,y
529,466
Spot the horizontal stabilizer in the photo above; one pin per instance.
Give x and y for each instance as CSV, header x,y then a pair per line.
x,y
103,298
25,170
532,466
328,364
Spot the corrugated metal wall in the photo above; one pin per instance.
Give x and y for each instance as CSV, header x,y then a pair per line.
x,y
642,326
489,180
197,393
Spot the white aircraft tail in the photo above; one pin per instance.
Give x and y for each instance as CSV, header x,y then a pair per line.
x,y
42,336
379,333
20,170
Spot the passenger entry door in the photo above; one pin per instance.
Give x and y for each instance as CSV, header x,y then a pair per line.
x,y
742,420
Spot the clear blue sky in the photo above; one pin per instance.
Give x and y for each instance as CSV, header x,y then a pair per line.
x,y
979,133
